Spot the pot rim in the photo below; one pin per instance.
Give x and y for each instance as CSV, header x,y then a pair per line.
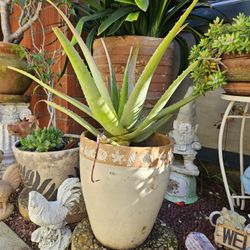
x,y
135,37
169,145
15,148
234,55
8,46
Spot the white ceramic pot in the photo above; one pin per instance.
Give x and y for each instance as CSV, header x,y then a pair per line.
x,y
125,190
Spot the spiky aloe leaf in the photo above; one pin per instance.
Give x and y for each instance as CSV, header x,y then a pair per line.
x,y
112,80
150,130
90,61
172,108
65,97
128,79
137,98
153,117
124,89
75,117
168,93
101,111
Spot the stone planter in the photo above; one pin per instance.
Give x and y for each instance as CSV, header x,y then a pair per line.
x,y
123,193
119,49
44,172
11,82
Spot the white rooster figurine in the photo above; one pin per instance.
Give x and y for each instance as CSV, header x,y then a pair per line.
x,y
50,215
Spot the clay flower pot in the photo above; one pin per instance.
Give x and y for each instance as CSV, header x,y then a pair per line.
x,y
237,68
123,193
11,82
119,49
45,171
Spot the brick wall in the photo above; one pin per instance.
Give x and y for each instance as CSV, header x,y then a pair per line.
x,y
69,84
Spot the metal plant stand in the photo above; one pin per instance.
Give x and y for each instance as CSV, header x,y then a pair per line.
x,y
240,199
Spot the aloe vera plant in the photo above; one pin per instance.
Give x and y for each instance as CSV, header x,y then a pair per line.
x,y
119,113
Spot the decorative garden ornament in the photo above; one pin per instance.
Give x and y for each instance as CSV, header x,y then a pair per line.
x,y
245,180
9,183
10,113
182,185
198,241
50,215
230,230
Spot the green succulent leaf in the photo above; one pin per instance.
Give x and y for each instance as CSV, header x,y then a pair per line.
x,y
43,140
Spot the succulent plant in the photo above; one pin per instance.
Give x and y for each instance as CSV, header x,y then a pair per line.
x,y
43,140
221,38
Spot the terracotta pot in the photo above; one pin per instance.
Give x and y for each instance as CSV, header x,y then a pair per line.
x,y
11,82
45,171
237,67
238,88
126,190
119,48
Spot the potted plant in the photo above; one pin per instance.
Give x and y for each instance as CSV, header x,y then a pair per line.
x,y
224,56
124,24
11,53
125,166
45,158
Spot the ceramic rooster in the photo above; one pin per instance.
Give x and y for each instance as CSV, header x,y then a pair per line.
x,y
9,183
50,215
23,128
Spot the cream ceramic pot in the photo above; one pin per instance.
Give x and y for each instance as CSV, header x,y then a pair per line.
x,y
124,191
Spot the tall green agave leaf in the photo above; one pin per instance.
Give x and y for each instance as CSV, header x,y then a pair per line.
x,y
75,117
101,111
112,80
90,61
172,108
128,79
168,93
153,117
137,98
132,69
150,130
65,97
124,89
